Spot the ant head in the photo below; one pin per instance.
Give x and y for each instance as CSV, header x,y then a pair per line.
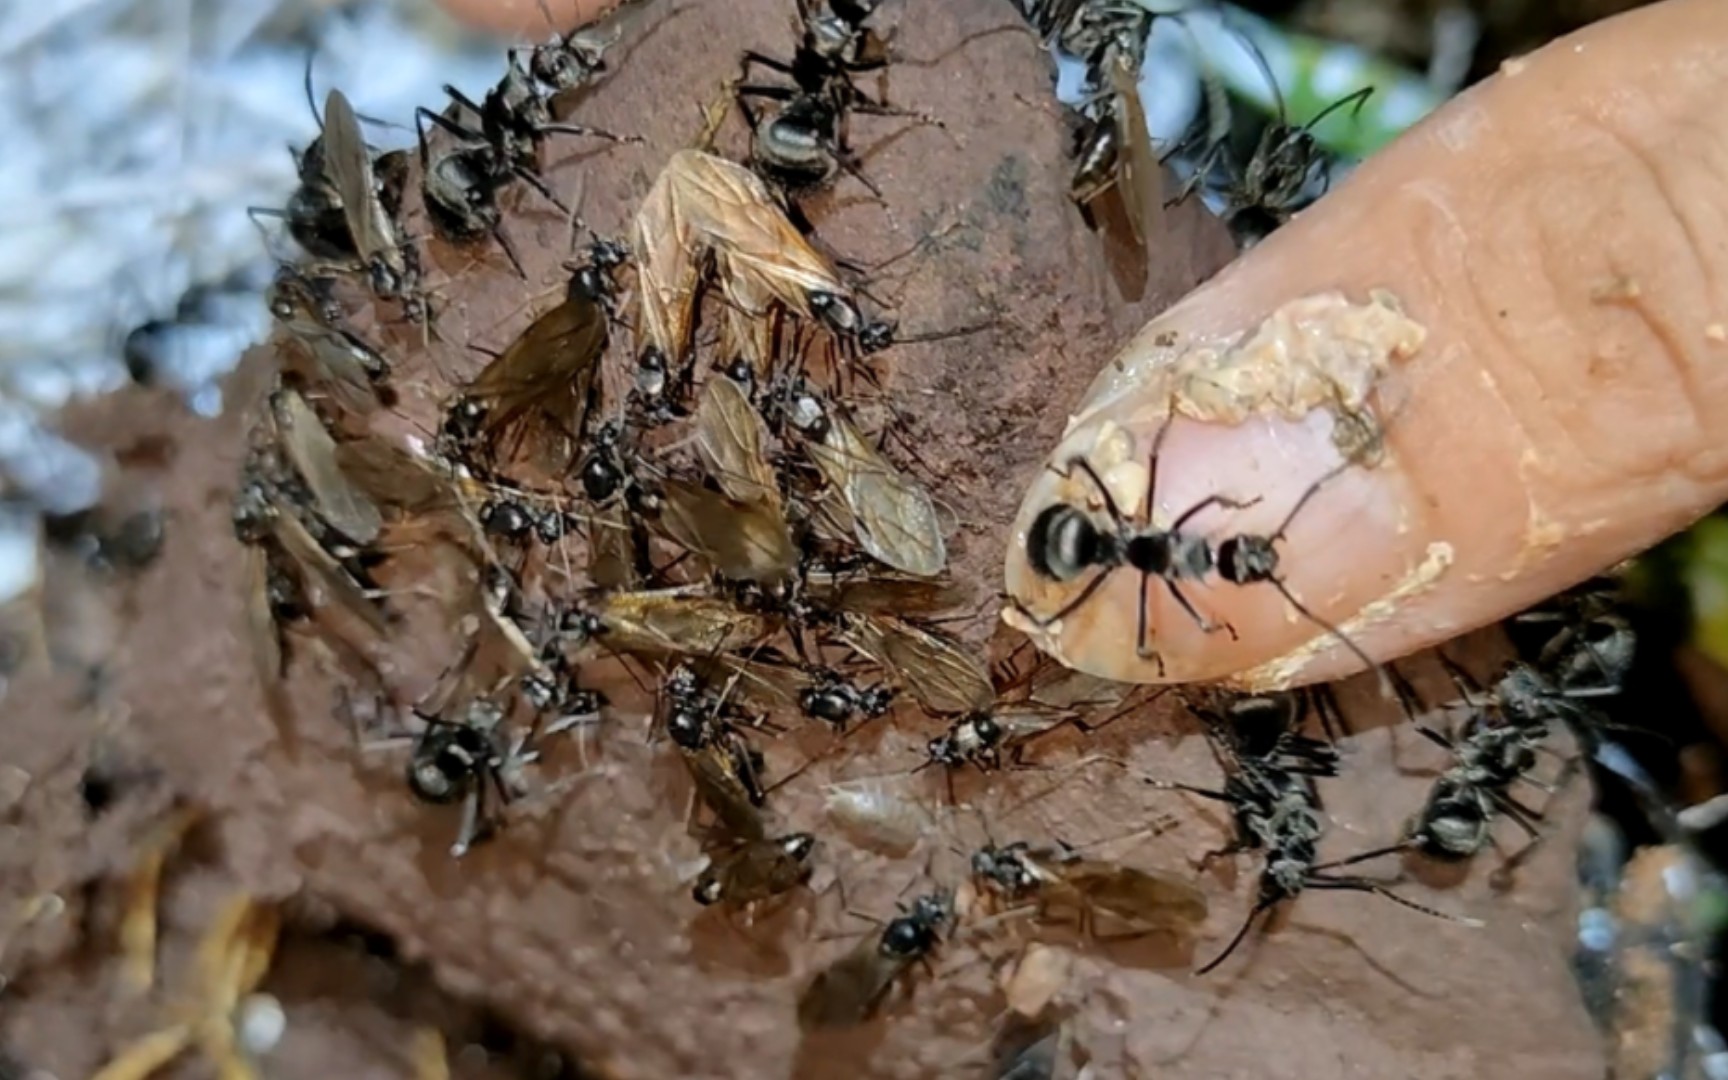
x,y
687,727
540,693
988,731
875,701
609,253
683,682
582,624
551,527
445,763
1063,542
505,518
942,750
797,846
465,417
875,335
585,702
645,499
742,372
708,890
932,910
986,863
1243,560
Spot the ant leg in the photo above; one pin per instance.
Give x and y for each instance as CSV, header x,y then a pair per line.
x,y
1085,466
456,128
1365,856
1205,624
1332,719
529,177
1313,489
751,56
1468,688
1247,924
1210,500
771,93
1302,609
504,242
1234,847
579,129
1142,648
1065,609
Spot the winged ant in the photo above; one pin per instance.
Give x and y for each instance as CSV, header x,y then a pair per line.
x,y
1060,879
850,990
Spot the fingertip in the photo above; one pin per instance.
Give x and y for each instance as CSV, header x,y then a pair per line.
x,y
1557,413
525,18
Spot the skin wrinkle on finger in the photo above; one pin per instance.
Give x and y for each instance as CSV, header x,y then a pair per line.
x,y
1552,427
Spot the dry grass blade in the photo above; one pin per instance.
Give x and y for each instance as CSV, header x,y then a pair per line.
x,y
231,960
430,1059
309,446
941,673
893,517
147,1056
143,887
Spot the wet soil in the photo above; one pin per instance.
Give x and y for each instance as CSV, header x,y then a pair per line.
x,y
570,945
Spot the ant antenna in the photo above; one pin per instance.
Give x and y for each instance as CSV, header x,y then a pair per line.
x,y
1237,940
1356,650
306,83
1362,885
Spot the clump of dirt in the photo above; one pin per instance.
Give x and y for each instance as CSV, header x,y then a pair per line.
x,y
574,929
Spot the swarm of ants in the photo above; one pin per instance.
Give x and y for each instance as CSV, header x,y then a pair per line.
x,y
682,467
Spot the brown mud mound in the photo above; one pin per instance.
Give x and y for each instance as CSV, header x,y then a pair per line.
x,y
572,936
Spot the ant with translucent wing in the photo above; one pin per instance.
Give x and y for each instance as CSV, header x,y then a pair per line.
x,y
1064,542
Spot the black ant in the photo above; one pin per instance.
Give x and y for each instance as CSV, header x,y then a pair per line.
x,y
1277,811
802,144
1064,542
1495,750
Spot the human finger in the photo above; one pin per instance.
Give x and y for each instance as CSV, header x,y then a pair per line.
x,y
1532,286
529,18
